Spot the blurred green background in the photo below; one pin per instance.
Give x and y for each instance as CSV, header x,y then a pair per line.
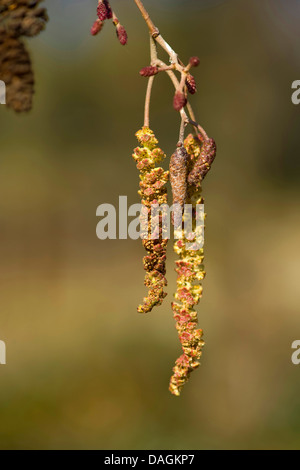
x,y
84,370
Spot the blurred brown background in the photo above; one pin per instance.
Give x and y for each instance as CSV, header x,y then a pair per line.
x,y
84,370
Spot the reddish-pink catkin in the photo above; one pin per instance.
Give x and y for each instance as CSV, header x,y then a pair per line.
x,y
122,34
96,28
179,101
191,84
104,10
204,162
149,71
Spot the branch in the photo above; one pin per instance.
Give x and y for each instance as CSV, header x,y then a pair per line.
x,y
154,31
153,53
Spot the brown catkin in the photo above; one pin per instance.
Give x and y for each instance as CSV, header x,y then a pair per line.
x,y
178,175
22,17
203,164
16,72
17,19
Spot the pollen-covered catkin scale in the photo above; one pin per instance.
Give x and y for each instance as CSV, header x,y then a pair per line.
x,y
190,274
152,191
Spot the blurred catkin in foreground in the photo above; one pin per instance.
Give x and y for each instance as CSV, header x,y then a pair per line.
x,y
17,19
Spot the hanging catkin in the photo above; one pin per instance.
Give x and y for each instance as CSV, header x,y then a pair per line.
x,y
190,273
17,19
152,192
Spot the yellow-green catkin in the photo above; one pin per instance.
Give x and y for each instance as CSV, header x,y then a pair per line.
x,y
190,274
152,191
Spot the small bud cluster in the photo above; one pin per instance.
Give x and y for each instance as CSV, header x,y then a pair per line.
x,y
188,85
152,191
105,12
17,19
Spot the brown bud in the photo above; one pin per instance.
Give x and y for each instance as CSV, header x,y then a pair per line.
x,y
179,100
148,71
191,84
194,61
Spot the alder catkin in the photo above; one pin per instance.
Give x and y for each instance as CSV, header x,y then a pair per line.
x,y
122,34
17,74
204,162
17,19
190,273
149,71
152,191
179,100
97,27
178,175
191,84
104,10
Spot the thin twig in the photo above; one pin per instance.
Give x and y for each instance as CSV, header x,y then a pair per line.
x,y
177,85
176,65
147,102
183,125
153,53
154,31
152,28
